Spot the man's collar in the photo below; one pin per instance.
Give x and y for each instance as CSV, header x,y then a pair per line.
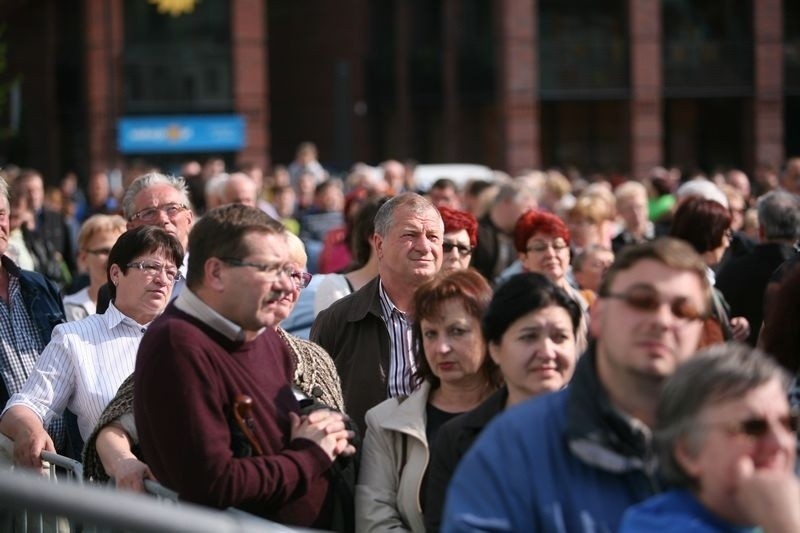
x,y
386,299
10,266
188,302
599,433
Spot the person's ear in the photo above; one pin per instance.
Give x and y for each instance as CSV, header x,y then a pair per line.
x,y
685,458
213,274
377,243
114,273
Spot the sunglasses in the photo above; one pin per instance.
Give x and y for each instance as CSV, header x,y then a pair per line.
x,y
758,427
463,251
647,298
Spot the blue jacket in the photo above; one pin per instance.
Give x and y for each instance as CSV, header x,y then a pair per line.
x,y
42,299
563,462
676,511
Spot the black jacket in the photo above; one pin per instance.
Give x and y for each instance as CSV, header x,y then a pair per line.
x,y
453,441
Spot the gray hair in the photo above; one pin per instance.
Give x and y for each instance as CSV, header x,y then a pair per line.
x,y
715,375
514,191
148,180
779,215
384,218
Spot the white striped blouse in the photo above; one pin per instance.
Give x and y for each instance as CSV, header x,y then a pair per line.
x,y
81,368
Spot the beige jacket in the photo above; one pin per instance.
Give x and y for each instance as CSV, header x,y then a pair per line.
x,y
388,489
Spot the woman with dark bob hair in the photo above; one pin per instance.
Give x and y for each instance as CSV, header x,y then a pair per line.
x,y
530,328
454,374
706,225
726,440
86,360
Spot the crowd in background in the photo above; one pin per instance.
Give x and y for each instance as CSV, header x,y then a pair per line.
x,y
523,255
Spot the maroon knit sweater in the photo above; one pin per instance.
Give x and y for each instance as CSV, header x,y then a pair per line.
x,y
186,378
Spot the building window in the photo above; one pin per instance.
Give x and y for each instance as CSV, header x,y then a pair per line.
x,y
708,47
583,49
177,64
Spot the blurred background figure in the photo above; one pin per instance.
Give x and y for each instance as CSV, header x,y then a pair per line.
x,y
99,198
588,268
706,225
444,192
365,260
305,162
95,240
631,198
239,188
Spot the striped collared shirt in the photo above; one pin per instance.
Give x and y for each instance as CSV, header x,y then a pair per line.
x,y
82,367
401,361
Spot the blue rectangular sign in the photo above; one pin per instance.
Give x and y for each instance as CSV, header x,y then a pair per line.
x,y
181,133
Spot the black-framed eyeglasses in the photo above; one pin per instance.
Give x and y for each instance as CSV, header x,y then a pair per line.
x,y
149,214
647,298
463,250
274,270
758,427
153,269
301,279
99,251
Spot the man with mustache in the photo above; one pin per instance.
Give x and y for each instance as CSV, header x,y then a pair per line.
x,y
213,345
574,460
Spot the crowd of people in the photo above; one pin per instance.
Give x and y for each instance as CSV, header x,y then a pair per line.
x,y
537,353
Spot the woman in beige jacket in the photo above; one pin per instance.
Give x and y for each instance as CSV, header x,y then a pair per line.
x,y
454,375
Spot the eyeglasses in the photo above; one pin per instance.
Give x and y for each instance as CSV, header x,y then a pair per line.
x,y
463,251
542,246
758,427
150,214
99,251
152,270
301,279
647,298
274,270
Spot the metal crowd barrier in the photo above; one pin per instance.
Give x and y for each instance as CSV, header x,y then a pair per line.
x,y
70,506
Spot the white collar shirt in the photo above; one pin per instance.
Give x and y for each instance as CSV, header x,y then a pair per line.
x,y
81,368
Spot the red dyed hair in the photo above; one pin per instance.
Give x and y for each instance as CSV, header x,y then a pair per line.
x,y
534,222
455,220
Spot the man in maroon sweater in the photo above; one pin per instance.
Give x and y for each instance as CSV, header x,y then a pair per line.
x,y
212,345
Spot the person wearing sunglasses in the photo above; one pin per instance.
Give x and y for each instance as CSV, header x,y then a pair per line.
x,y
726,438
98,234
460,238
577,458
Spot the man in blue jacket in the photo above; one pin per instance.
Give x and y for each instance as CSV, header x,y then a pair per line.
x,y
574,460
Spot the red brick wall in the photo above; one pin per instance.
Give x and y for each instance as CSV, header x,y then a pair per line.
x,y
646,84
250,93
768,102
518,84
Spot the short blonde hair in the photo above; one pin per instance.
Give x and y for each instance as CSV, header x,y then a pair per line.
x,y
96,224
630,189
297,250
